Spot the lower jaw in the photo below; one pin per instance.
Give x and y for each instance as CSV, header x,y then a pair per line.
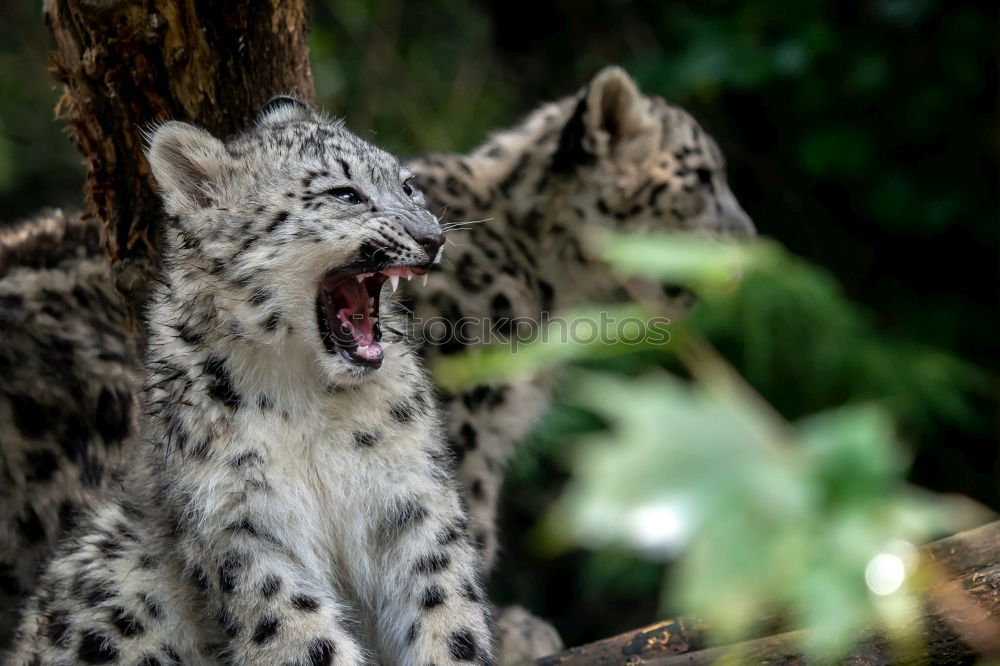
x,y
360,361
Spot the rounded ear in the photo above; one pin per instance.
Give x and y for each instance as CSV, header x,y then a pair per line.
x,y
608,113
283,109
187,163
615,107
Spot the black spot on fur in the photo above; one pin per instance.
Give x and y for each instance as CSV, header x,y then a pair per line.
x,y
149,660
200,578
270,586
153,606
655,192
476,488
42,465
12,302
413,632
59,628
449,534
406,512
548,295
246,458
126,623
467,436
515,175
462,645
110,548
456,451
321,652
346,169
97,648
8,582
229,571
570,152
502,313
220,385
244,525
433,596
304,602
30,525
372,255
228,624
112,417
483,395
32,418
259,296
470,276
432,563
265,630
279,219
366,438
100,593
402,412
272,322
471,592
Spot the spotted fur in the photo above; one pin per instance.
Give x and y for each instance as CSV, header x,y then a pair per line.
x,y
606,157
68,373
253,523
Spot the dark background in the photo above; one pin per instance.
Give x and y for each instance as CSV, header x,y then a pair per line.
x,y
862,135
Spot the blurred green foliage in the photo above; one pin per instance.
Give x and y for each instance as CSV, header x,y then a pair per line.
x,y
860,134
38,165
812,520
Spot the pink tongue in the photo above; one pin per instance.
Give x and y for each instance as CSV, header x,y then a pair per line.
x,y
355,315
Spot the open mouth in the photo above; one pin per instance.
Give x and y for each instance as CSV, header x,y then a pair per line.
x,y
347,311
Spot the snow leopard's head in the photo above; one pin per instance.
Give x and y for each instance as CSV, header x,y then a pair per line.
x,y
644,164
634,162
294,227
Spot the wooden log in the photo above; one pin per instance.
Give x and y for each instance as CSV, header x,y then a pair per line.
x,y
962,620
128,64
670,637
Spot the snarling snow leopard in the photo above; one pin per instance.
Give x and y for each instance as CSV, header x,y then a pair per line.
x,y
290,498
607,156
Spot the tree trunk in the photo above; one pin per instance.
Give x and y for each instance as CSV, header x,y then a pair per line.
x,y
129,64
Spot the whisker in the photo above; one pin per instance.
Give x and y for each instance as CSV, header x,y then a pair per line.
x,y
449,226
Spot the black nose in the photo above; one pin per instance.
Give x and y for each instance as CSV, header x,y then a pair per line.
x,y
427,236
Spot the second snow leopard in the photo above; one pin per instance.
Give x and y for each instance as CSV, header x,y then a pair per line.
x,y
289,499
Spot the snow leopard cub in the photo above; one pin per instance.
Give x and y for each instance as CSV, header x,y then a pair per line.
x,y
291,498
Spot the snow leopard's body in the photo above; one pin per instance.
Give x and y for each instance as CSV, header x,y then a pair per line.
x,y
68,375
606,157
286,502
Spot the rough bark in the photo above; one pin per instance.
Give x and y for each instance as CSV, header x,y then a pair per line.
x,y
129,64
962,619
950,634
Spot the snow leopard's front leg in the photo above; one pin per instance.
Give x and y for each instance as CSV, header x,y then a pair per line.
x,y
432,607
270,602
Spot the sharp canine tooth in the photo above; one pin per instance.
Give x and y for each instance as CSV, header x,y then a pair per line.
x,y
423,280
394,281
360,277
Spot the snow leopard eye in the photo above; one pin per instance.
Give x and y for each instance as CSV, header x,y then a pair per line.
x,y
348,195
407,188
